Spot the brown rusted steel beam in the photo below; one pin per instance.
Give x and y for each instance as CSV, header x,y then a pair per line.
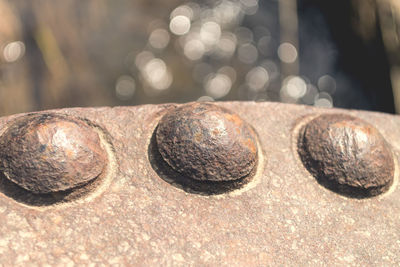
x,y
230,183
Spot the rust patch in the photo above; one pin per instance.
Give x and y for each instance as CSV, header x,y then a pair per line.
x,y
250,144
227,150
347,155
235,119
46,153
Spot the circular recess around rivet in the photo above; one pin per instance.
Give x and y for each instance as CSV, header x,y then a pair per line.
x,y
47,153
347,155
207,143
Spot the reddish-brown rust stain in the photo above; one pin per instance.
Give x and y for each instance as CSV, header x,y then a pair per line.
x,y
219,156
251,145
216,132
198,137
367,129
235,119
345,161
43,153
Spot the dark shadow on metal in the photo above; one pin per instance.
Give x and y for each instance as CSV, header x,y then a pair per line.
x,y
19,194
188,184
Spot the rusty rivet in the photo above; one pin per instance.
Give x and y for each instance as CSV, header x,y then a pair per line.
x,y
205,142
46,153
347,155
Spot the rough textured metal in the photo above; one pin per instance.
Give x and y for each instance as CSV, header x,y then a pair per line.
x,y
48,153
347,155
206,142
282,217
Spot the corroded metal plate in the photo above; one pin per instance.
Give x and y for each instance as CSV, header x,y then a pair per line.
x,y
134,217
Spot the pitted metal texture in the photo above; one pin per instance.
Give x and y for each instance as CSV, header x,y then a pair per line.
x,y
347,155
46,153
133,215
206,142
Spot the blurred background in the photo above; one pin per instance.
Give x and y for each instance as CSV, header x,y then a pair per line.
x,y
332,53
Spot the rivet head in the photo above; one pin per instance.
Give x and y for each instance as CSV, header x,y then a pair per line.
x,y
347,155
46,153
206,142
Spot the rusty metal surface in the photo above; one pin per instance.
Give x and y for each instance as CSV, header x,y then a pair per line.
x,y
46,153
205,142
347,155
131,215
